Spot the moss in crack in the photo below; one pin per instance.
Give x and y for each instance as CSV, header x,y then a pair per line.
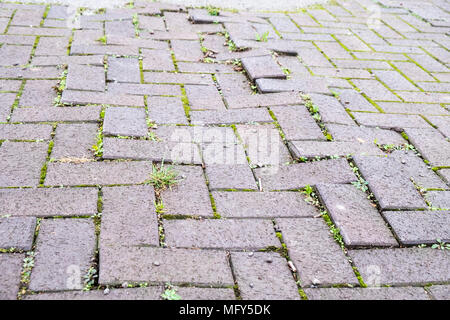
x,y
314,111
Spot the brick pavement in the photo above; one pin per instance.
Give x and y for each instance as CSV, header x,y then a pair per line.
x,y
312,152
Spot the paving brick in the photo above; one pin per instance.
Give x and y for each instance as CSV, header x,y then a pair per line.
x,y
97,173
378,293
417,227
297,123
185,50
235,84
84,49
157,60
204,97
10,85
220,234
175,152
262,67
123,28
200,267
179,78
145,89
234,116
316,255
352,43
262,100
87,97
403,266
439,199
434,86
262,205
74,141
425,97
364,134
394,80
295,176
129,217
333,50
167,110
331,111
313,58
21,163
38,93
230,176
30,18
197,134
375,90
6,102
199,67
64,251
17,232
412,71
29,73
148,293
123,70
52,46
341,73
390,121
412,108
25,131
263,276
46,202
431,145
90,113
310,149
11,265
440,292
362,64
81,77
306,84
358,220
123,121
15,55
192,293
190,195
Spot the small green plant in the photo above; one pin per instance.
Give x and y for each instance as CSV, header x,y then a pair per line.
x,y
89,278
163,177
102,39
170,293
212,11
262,38
98,146
441,245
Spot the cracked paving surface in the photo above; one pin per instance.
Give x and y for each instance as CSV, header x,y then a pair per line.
x,y
311,150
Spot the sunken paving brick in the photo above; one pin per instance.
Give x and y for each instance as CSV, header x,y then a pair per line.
x,y
161,265
47,202
377,293
418,227
309,149
190,194
403,266
262,67
74,141
358,220
21,163
295,176
230,176
148,293
129,217
263,276
220,234
262,205
318,258
11,266
97,173
124,121
17,232
65,248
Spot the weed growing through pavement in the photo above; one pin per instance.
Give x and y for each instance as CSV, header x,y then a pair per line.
x,y
163,177
441,245
213,11
170,293
262,37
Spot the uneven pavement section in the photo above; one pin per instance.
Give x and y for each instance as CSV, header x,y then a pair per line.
x,y
243,155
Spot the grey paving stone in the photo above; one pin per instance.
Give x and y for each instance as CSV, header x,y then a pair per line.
x,y
412,108
417,227
190,195
313,58
331,111
97,173
86,49
316,255
394,80
129,217
233,116
17,232
25,131
123,70
74,141
333,50
10,85
123,28
179,78
230,176
306,84
192,293
80,77
46,202
295,176
390,121
90,113
199,67
21,163
297,123
220,234
145,89
52,46
439,199
11,265
204,97
262,204
64,251
157,60
38,93
173,152
352,43
263,276
198,134
403,266
440,292
6,102
167,110
235,84
378,293
262,100
431,145
375,90
87,97
185,50
412,71
15,55
310,149
262,67
123,121
161,265
358,220
148,293
364,134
